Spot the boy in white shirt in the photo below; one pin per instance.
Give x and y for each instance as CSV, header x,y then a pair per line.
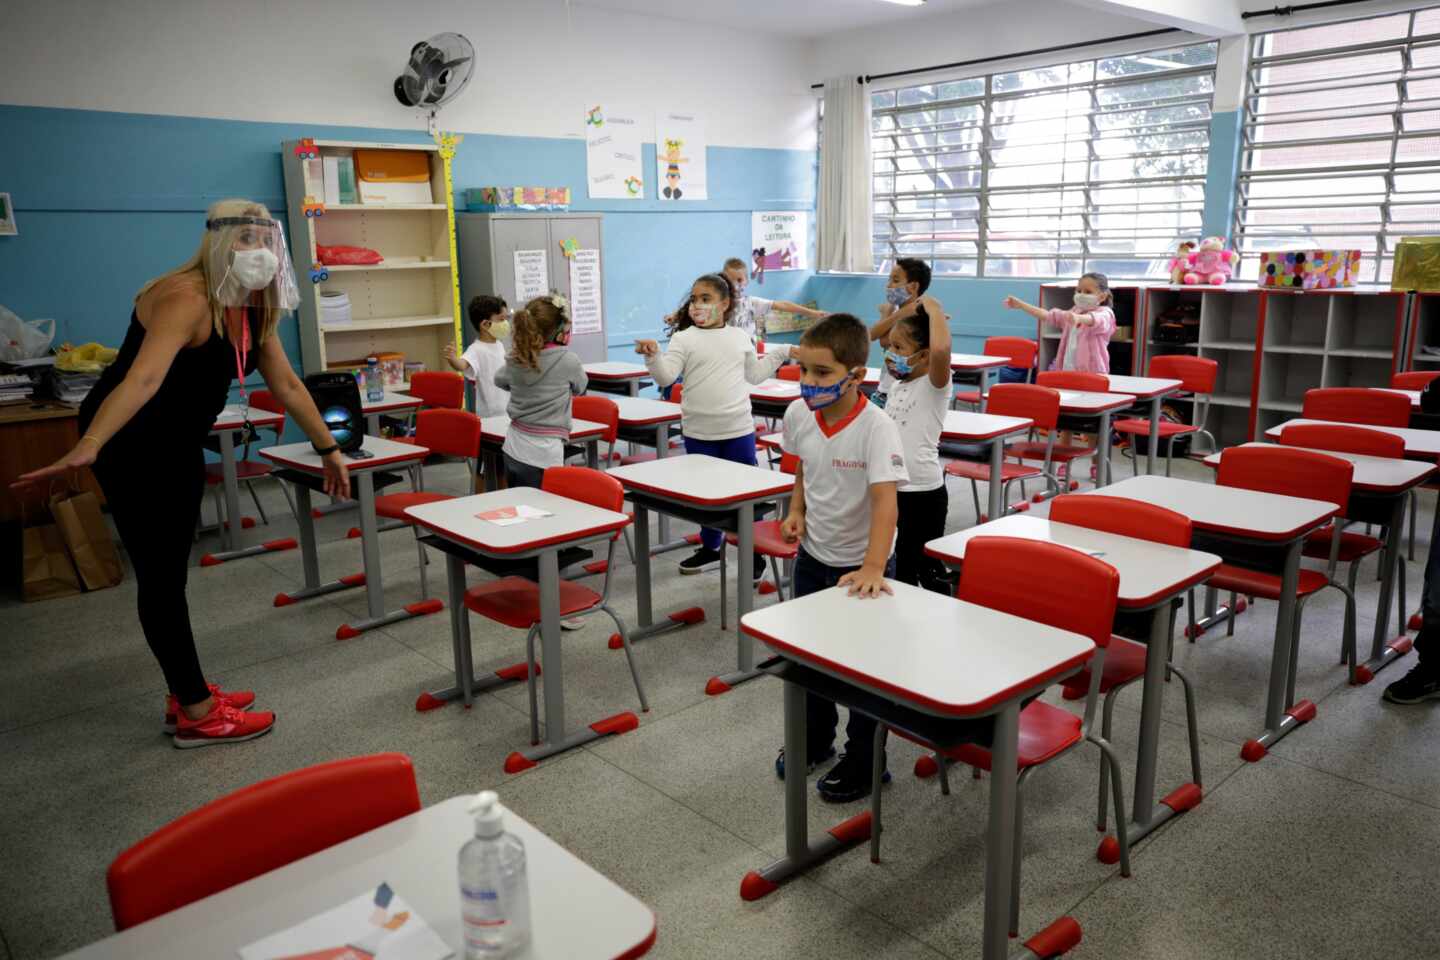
x,y
843,512
491,319
750,312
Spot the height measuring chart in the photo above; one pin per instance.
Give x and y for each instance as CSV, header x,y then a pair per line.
x,y
585,298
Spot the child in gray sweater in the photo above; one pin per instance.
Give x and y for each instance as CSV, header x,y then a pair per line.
x,y
542,377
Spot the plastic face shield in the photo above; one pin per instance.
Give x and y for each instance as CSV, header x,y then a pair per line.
x,y
237,262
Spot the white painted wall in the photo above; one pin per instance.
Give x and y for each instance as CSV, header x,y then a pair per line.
x,y
333,61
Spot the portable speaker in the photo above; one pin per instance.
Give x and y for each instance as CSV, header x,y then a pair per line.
x,y
337,397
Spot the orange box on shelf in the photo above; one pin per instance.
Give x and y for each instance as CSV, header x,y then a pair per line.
x,y
393,176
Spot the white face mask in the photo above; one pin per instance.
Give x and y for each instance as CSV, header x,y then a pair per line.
x,y
1087,301
705,315
254,269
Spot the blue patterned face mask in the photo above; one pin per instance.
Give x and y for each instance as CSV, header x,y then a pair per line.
x,y
818,397
897,296
899,366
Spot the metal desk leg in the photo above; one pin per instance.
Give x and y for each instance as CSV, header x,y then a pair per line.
x,y
1102,473
372,424
309,562
1215,613
744,601
592,454
644,614
634,386
466,683
374,583
1280,721
999,839
662,449
230,531
1154,434
997,472
1386,649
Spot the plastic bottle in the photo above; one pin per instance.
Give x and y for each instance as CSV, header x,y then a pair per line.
x,y
494,890
374,380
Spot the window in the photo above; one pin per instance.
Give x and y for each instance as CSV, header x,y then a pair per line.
x,y
1341,143
1094,165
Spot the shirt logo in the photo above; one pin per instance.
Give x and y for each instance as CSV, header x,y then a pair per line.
x,y
897,461
839,464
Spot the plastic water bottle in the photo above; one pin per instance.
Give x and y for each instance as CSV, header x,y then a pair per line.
x,y
494,890
374,381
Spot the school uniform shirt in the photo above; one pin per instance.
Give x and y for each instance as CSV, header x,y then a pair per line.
x,y
918,408
481,361
718,365
749,311
841,462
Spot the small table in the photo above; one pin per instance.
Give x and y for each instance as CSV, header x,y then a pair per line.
x,y
576,913
962,426
1420,444
390,403
714,493
649,422
494,429
1248,516
975,368
1413,395
301,457
572,523
1151,576
615,377
1084,403
771,398
941,660
1154,389
1379,490
231,421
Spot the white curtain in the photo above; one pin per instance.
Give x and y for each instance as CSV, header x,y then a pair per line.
x,y
844,206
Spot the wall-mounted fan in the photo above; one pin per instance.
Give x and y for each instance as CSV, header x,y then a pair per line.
x,y
438,70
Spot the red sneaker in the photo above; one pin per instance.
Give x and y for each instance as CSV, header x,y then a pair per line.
x,y
240,699
223,724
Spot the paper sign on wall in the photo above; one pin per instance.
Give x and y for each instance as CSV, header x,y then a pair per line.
x,y
614,167
585,298
680,149
779,240
532,275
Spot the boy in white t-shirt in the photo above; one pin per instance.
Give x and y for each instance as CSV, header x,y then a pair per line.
x,y
491,319
750,312
843,513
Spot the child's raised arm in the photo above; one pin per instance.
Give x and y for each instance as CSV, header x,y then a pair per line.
x,y
758,369
665,367
939,343
792,307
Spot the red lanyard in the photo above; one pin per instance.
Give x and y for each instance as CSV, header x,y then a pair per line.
x,y
242,354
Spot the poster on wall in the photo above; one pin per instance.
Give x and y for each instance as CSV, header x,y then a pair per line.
x,y
614,168
680,149
532,275
585,298
779,240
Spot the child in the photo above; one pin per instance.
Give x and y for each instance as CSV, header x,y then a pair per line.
x,y
717,360
542,376
750,312
490,318
909,279
920,390
843,513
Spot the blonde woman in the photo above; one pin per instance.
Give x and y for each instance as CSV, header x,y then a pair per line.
x,y
192,333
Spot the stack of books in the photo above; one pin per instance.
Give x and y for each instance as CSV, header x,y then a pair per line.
x,y
15,388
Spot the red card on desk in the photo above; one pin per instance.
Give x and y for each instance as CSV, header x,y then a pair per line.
x,y
499,514
505,516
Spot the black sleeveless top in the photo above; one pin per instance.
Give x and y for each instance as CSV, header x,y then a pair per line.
x,y
177,419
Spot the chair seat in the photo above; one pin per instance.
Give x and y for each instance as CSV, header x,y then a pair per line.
x,y
515,601
1045,731
392,506
1353,546
976,470
968,396
768,541
1124,661
1035,450
1142,427
244,470
1266,586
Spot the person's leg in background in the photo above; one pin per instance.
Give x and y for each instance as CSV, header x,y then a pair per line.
x,y
1422,683
738,450
520,474
921,519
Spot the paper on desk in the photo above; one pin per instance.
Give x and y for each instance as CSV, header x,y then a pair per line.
x,y
509,516
377,925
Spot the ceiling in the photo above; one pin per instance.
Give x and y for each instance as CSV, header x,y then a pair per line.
x,y
793,18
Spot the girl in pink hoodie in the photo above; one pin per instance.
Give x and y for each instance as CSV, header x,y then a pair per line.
x,y
1086,327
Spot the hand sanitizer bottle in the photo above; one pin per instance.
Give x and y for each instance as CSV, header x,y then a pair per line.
x,y
494,891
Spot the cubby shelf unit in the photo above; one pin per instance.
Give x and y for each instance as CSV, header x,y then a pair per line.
x,y
1424,332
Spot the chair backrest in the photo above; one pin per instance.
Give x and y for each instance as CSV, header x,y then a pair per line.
x,y
1196,374
1378,408
586,485
1020,350
789,463
1344,438
1041,404
438,388
1287,472
598,410
258,829
265,400
1123,517
791,371
1074,380
1078,593
1413,380
677,390
450,433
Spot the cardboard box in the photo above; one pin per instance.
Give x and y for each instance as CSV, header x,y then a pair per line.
x,y
1309,269
495,199
393,176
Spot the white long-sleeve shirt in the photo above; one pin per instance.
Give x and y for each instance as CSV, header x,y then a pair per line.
x,y
718,365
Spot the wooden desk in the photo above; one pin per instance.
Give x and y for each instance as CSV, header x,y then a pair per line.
x,y
34,435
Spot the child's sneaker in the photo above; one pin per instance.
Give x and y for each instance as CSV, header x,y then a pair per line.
x,y
1420,684
848,781
239,699
810,767
223,724
700,561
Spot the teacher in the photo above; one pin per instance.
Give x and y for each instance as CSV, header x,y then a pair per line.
x,y
192,332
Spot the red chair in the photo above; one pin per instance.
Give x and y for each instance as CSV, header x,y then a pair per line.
x,y
769,543
1413,380
1060,454
438,389
791,371
1376,408
1292,473
1197,377
454,433
1032,401
599,410
999,573
1021,353
1125,660
258,829
677,391
515,601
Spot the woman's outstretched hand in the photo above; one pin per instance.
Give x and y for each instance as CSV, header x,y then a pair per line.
x,y
81,455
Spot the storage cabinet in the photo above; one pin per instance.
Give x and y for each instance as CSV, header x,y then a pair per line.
x,y
1424,347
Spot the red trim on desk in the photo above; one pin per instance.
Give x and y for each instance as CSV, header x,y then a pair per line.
x,y
980,438
942,709
618,376
1123,400
390,406
1163,392
531,545
267,420
354,466
764,494
597,433
987,365
652,421
643,947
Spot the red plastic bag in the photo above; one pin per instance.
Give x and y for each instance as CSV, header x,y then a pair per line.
x,y
347,256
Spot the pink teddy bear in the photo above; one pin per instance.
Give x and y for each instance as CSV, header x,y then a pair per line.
x,y
1211,264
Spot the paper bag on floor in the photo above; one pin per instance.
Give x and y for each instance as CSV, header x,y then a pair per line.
x,y
77,513
46,570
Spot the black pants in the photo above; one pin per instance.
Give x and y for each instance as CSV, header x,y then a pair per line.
x,y
155,498
1428,640
922,519
519,474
